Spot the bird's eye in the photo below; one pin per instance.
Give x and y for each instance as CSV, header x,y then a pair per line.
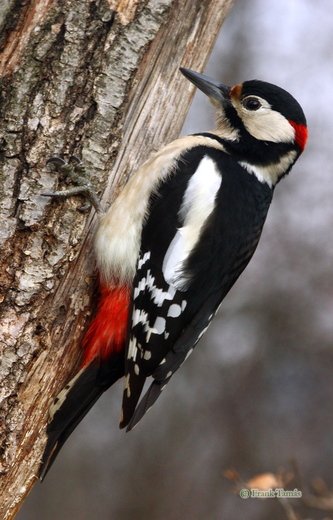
x,y
251,103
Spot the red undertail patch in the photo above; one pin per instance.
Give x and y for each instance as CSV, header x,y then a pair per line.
x,y
301,134
107,332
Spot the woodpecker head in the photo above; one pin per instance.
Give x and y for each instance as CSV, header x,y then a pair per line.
x,y
262,125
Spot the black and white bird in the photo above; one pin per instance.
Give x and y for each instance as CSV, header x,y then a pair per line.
x,y
173,244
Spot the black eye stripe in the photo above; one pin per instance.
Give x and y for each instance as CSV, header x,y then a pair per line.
x,y
251,103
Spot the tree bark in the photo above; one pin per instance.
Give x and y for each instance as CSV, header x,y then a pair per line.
x,y
98,79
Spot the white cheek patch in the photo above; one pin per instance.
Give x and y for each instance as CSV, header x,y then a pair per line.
x,y
266,124
198,203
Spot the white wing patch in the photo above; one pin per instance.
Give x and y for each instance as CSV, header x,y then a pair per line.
x,y
144,259
159,325
117,241
157,295
174,310
197,205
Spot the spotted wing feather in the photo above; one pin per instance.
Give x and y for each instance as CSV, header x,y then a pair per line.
x,y
190,258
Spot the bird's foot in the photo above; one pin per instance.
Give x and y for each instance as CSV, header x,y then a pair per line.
x,y
76,171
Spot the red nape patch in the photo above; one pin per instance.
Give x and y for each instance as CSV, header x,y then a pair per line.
x,y
301,134
107,332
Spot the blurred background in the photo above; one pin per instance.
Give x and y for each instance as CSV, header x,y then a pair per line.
x,y
257,393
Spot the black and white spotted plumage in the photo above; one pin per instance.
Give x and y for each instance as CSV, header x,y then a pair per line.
x,y
203,220
174,242
177,291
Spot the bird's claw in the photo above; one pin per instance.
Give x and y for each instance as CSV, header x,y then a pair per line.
x,y
75,159
57,161
75,169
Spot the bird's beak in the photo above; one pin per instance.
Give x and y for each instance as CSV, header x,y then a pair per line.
x,y
213,89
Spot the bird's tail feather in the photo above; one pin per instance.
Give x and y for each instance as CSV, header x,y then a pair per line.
x,y
74,402
152,394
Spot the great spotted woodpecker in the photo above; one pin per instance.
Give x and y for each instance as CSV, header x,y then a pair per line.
x,y
174,243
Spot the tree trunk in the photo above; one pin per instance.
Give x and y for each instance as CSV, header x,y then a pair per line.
x,y
98,79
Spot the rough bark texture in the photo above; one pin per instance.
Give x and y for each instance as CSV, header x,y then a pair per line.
x,y
97,78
